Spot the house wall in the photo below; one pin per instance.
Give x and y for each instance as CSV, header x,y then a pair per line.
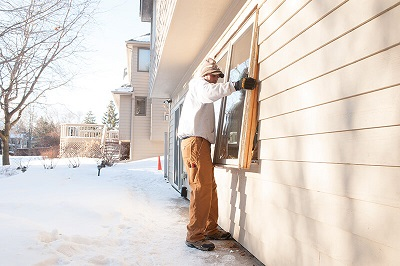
x,y
326,188
142,144
125,117
164,10
159,119
139,79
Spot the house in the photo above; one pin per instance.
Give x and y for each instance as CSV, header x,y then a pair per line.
x,y
88,140
18,141
143,121
308,164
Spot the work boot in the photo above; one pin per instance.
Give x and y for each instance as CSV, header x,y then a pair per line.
x,y
220,235
203,245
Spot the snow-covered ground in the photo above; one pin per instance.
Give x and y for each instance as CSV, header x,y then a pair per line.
x,y
129,215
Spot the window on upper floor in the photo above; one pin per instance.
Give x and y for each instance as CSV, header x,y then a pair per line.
x,y
143,60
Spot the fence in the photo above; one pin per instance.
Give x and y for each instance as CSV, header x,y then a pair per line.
x,y
86,140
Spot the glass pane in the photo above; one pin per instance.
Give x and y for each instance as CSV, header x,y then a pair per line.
x,y
232,125
217,105
141,106
144,60
229,139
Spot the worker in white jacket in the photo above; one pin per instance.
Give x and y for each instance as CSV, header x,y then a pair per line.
x,y
197,131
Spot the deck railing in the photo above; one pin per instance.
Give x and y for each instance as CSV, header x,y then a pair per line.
x,y
77,139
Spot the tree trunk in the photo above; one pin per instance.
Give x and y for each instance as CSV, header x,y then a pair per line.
x,y
5,137
6,151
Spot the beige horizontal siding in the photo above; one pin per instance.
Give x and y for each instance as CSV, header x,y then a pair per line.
x,y
297,226
326,191
302,236
336,55
312,67
280,16
143,146
350,215
267,9
140,80
371,74
158,123
360,112
125,116
285,31
366,146
319,24
375,184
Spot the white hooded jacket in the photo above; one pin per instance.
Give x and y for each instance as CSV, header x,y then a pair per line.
x,y
197,117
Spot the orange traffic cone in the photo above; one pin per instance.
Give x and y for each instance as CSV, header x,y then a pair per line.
x,y
159,163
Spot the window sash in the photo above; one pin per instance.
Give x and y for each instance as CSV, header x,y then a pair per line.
x,y
143,61
140,106
246,135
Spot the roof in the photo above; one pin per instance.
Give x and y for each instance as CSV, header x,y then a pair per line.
x,y
123,89
185,33
141,38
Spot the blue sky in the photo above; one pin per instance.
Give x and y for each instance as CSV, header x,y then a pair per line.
x,y
102,68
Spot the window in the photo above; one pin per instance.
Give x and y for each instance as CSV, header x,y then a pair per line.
x,y
217,105
236,117
143,59
140,107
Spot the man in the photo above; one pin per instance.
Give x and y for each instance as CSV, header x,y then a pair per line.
x,y
197,131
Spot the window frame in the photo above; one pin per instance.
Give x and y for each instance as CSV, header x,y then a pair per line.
x,y
138,112
138,59
249,118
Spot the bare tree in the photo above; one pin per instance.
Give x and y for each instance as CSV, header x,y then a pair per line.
x,y
36,39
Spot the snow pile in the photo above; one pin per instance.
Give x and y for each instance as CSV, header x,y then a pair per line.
x,y
129,215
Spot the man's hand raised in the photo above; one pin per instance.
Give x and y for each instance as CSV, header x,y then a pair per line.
x,y
245,83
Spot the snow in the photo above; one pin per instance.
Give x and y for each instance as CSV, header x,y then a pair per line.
x,y
123,89
142,38
129,215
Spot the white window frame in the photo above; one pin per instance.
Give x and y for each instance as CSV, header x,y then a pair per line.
x,y
140,110
138,60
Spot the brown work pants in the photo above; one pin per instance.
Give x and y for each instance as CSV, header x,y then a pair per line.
x,y
203,209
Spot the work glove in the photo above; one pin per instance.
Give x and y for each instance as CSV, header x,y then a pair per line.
x,y
245,83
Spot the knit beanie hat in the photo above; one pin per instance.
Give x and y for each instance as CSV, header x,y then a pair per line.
x,y
210,67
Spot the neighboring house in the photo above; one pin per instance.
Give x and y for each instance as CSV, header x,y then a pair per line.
x,y
90,140
18,141
321,185
143,121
